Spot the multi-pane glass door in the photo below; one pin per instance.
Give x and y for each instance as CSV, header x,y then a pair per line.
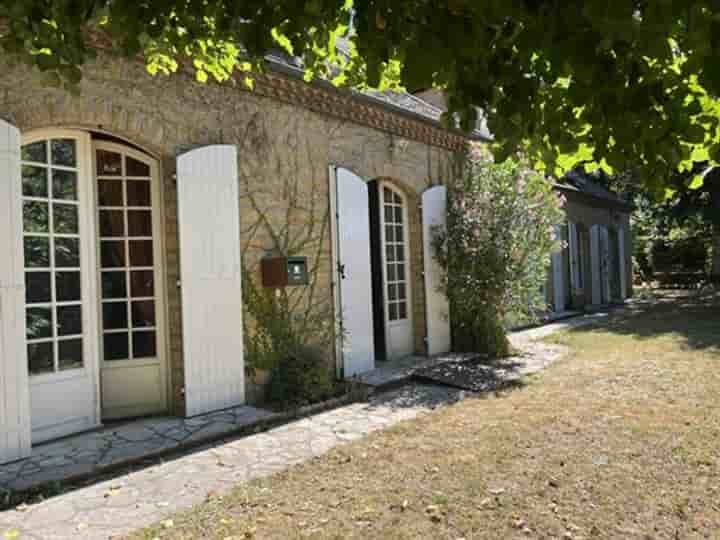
x,y
93,282
395,256
131,373
52,257
58,327
399,335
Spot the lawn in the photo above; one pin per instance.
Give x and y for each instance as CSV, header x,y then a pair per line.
x,y
619,439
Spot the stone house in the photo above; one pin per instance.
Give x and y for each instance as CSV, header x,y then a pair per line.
x,y
146,223
140,217
594,268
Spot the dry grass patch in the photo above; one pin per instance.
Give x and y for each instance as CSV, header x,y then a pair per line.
x,y
620,439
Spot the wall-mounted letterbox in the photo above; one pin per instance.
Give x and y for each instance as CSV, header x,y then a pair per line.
x,y
284,271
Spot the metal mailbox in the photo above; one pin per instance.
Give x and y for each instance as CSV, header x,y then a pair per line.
x,y
284,271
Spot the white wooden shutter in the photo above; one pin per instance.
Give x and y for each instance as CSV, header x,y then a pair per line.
x,y
623,264
14,384
596,264
355,277
574,257
209,230
558,281
605,263
434,212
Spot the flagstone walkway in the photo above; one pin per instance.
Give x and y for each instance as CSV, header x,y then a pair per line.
x,y
92,452
115,507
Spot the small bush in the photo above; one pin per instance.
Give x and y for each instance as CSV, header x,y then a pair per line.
x,y
495,249
301,377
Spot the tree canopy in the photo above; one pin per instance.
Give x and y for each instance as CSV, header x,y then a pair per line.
x,y
621,84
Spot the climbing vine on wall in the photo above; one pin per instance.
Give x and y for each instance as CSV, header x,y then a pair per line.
x,y
289,217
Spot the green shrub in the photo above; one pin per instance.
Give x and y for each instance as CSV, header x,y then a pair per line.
x,y
495,249
302,376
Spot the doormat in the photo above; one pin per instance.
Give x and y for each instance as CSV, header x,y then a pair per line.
x,y
475,375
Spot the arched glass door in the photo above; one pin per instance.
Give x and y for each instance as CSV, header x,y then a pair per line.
x,y
94,285
132,367
396,272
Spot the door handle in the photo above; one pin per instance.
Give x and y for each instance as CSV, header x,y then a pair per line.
x,y
341,270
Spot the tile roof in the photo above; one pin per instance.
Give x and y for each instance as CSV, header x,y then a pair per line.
x,y
400,102
588,184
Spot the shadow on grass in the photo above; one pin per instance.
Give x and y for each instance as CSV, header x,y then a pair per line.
x,y
689,315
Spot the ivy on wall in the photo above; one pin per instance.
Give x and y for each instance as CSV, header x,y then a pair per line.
x,y
290,217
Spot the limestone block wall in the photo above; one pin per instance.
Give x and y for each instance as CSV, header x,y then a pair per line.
x,y
284,150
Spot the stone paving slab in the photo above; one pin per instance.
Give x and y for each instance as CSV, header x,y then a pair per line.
x,y
532,334
395,372
89,453
116,507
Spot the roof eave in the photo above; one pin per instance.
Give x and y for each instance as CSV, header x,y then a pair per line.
x,y
294,72
610,203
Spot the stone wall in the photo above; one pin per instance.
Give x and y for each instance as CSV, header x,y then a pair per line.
x,y
284,154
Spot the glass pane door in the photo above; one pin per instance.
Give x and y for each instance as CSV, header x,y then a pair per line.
x,y
399,336
126,257
395,256
51,224
60,332
132,374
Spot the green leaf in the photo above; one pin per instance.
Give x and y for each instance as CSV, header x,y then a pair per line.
x,y
697,182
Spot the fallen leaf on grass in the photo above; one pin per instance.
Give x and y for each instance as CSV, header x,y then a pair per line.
x,y
433,512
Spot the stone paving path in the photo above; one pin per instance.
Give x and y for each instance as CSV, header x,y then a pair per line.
x,y
521,337
118,506
90,452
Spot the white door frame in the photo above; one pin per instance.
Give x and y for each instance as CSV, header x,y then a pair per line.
x,y
88,265
159,272
389,325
